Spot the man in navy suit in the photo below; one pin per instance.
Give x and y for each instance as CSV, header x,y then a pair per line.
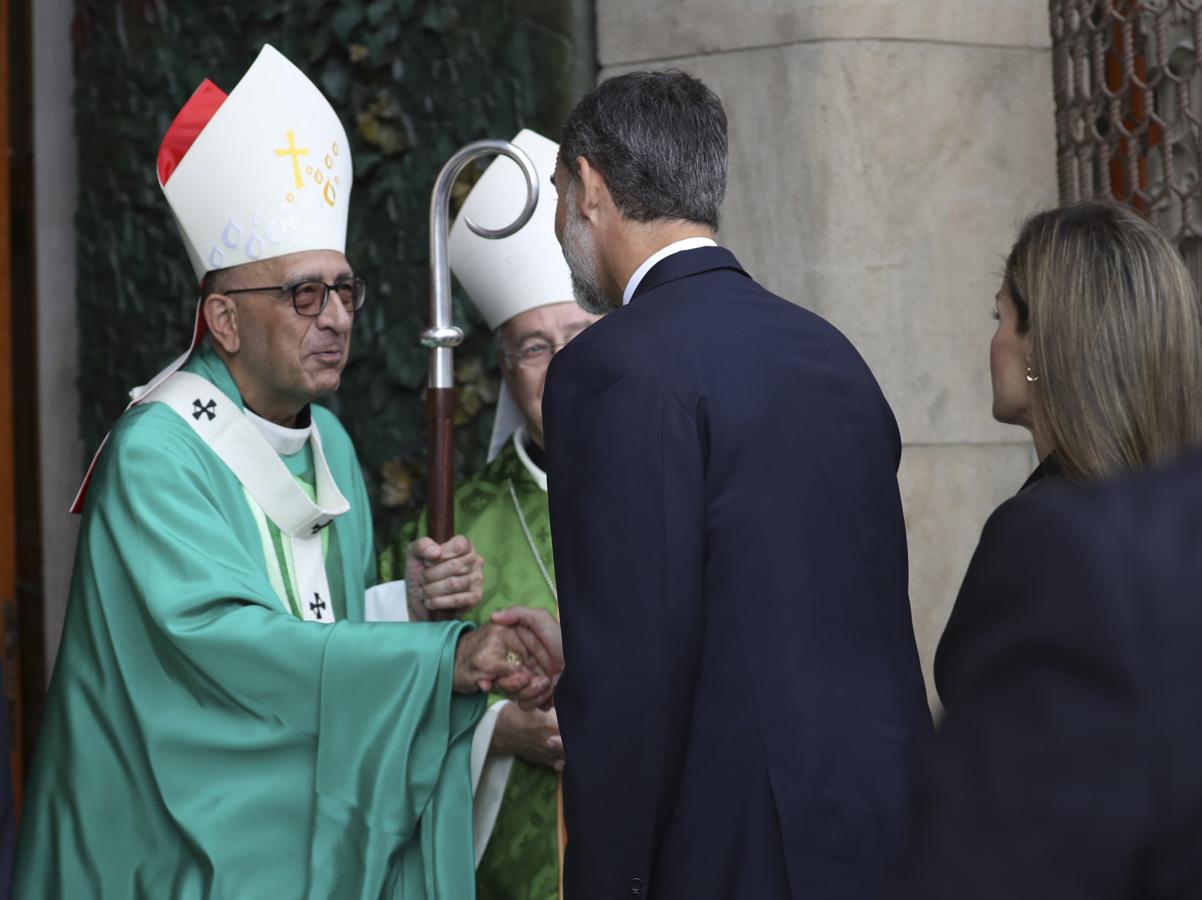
x,y
1067,766
742,703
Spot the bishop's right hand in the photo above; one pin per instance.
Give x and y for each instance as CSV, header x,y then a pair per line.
x,y
542,637
511,658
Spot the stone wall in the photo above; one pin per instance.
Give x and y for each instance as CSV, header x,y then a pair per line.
x,y
883,155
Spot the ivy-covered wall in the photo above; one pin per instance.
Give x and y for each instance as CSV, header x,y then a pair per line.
x,y
413,80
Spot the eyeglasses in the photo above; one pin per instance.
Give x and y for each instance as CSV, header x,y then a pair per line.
x,y
309,298
536,353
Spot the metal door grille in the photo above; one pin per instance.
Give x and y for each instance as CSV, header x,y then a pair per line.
x,y
1128,85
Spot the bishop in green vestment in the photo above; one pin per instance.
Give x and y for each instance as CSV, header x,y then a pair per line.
x,y
222,722
503,509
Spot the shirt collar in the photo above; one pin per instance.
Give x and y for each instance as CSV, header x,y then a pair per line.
x,y
687,244
519,444
284,441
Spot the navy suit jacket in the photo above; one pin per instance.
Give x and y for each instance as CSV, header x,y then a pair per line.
x,y
1067,766
742,699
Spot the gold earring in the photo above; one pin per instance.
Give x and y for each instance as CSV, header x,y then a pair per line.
x,y
1030,377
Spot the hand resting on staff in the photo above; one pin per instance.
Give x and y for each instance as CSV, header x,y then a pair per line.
x,y
442,577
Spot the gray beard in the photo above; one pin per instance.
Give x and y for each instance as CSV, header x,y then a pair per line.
x,y
580,255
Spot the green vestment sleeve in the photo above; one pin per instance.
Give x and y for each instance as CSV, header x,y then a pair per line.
x,y
201,742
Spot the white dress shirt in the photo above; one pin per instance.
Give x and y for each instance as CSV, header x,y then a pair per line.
x,y
663,253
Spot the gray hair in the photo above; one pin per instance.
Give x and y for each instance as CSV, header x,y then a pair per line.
x,y
659,141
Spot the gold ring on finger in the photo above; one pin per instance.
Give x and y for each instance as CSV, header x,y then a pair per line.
x,y
513,658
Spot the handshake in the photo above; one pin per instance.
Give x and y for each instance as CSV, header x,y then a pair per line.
x,y
518,651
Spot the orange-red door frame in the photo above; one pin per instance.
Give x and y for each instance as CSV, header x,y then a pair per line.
x,y
8,506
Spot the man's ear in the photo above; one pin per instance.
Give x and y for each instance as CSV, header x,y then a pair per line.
x,y
221,316
592,196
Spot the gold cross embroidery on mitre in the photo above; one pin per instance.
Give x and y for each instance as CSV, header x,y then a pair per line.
x,y
296,153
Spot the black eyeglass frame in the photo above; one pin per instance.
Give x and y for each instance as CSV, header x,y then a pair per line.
x,y
358,283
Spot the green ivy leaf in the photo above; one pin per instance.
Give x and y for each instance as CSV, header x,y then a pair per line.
x,y
377,10
438,18
335,82
345,21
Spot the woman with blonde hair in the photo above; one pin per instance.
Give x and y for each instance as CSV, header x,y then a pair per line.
x,y
1065,766
1098,349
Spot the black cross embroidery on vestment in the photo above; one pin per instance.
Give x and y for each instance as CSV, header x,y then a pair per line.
x,y
206,409
317,606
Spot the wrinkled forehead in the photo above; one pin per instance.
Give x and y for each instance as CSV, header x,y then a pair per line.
x,y
320,265
324,265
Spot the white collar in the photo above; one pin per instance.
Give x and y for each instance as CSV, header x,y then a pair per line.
x,y
519,444
687,244
284,441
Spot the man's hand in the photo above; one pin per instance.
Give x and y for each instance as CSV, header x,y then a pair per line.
x,y
442,577
531,734
495,656
539,632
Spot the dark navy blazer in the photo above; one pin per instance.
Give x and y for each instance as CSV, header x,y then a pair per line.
x,y
742,700
1069,764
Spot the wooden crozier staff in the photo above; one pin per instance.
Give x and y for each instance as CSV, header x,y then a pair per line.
x,y
442,337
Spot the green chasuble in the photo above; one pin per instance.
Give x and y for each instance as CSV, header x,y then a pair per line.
x,y
201,741
521,861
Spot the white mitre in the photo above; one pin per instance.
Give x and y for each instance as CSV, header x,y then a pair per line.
x,y
268,174
508,276
514,274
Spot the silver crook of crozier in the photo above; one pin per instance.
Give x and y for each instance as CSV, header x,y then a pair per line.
x,y
442,335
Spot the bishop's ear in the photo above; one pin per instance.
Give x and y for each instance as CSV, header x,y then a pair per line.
x,y
221,317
